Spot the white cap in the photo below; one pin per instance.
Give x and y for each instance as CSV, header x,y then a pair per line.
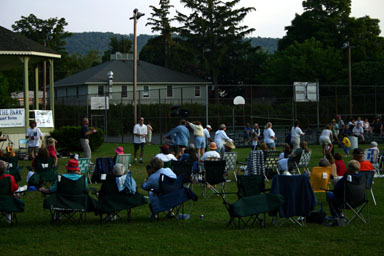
x,y
76,156
208,126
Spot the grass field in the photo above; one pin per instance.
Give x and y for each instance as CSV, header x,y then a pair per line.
x,y
34,235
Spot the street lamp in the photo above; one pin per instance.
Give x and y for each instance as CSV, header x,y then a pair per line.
x,y
347,45
109,93
135,17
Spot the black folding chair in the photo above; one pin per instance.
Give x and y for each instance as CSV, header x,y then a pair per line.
x,y
184,168
214,172
369,176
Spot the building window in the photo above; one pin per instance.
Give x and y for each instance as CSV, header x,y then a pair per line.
x,y
197,91
146,91
169,91
100,90
124,92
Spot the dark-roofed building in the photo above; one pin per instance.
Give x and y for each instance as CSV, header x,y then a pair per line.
x,y
153,82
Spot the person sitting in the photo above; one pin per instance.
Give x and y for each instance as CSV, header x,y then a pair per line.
x,y
365,165
73,173
119,151
254,140
375,147
122,180
212,154
335,198
286,151
3,169
331,161
287,164
51,146
191,155
228,146
154,170
164,154
358,132
367,127
340,165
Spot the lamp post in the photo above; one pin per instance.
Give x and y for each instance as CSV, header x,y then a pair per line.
x,y
108,93
135,17
347,45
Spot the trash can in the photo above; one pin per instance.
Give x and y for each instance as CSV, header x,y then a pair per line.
x,y
354,142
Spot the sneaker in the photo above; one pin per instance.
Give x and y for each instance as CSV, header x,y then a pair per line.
x,y
135,161
141,161
170,215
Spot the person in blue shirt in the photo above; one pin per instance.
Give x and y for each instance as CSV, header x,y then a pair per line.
x,y
179,138
154,170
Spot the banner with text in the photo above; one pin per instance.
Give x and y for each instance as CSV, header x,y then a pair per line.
x,y
44,118
12,117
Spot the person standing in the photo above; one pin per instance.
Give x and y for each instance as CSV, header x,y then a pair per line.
x,y
269,136
149,135
207,134
180,137
296,133
198,131
139,133
34,136
84,138
220,138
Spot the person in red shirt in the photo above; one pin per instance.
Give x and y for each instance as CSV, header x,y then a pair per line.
x,y
358,154
3,168
340,165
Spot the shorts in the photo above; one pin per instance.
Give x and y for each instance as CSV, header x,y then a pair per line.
x,y
271,144
137,145
33,149
200,142
324,140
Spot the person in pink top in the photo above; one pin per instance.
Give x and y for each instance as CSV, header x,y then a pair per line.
x,y
340,165
51,146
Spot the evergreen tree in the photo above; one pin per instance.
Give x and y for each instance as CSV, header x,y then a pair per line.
x,y
122,44
160,22
211,31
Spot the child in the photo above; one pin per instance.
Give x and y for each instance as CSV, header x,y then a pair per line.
x,y
51,146
254,140
340,165
347,145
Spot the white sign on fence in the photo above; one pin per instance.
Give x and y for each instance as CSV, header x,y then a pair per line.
x,y
14,117
306,92
98,103
44,118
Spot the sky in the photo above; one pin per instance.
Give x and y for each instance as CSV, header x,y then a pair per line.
x,y
269,19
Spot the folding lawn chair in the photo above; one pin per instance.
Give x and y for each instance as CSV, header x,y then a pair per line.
x,y
45,172
319,178
270,162
369,176
250,185
214,172
112,202
84,167
13,168
124,159
255,163
372,155
9,205
304,162
183,168
170,197
354,198
230,162
22,153
104,165
299,198
70,201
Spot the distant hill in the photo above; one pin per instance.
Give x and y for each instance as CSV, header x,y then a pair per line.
x,y
83,42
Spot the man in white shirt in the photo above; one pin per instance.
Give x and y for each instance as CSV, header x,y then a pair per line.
x,y
221,137
139,134
358,131
164,154
33,135
212,154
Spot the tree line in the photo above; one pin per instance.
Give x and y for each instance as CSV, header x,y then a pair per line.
x,y
212,42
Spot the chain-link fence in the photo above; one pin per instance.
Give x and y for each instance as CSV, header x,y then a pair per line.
x,y
263,103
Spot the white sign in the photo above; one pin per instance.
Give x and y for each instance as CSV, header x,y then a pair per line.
x,y
238,100
44,118
305,92
98,103
14,117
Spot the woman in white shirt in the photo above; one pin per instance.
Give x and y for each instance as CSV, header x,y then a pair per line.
x,y
326,139
296,133
269,136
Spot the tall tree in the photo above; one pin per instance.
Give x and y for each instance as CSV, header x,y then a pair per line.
x,y
211,30
161,22
122,44
50,31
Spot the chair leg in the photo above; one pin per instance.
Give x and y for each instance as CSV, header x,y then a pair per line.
x,y
373,197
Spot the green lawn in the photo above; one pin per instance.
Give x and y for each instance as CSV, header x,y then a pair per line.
x,y
35,235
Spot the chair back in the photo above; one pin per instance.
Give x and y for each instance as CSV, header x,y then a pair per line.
x,y
124,159
44,165
5,186
319,178
71,187
184,168
104,165
271,159
231,159
168,164
168,185
255,163
214,171
250,185
369,175
109,186
84,165
371,155
354,189
305,159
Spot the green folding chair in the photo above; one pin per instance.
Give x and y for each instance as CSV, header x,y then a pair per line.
x,y
84,167
9,205
124,159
